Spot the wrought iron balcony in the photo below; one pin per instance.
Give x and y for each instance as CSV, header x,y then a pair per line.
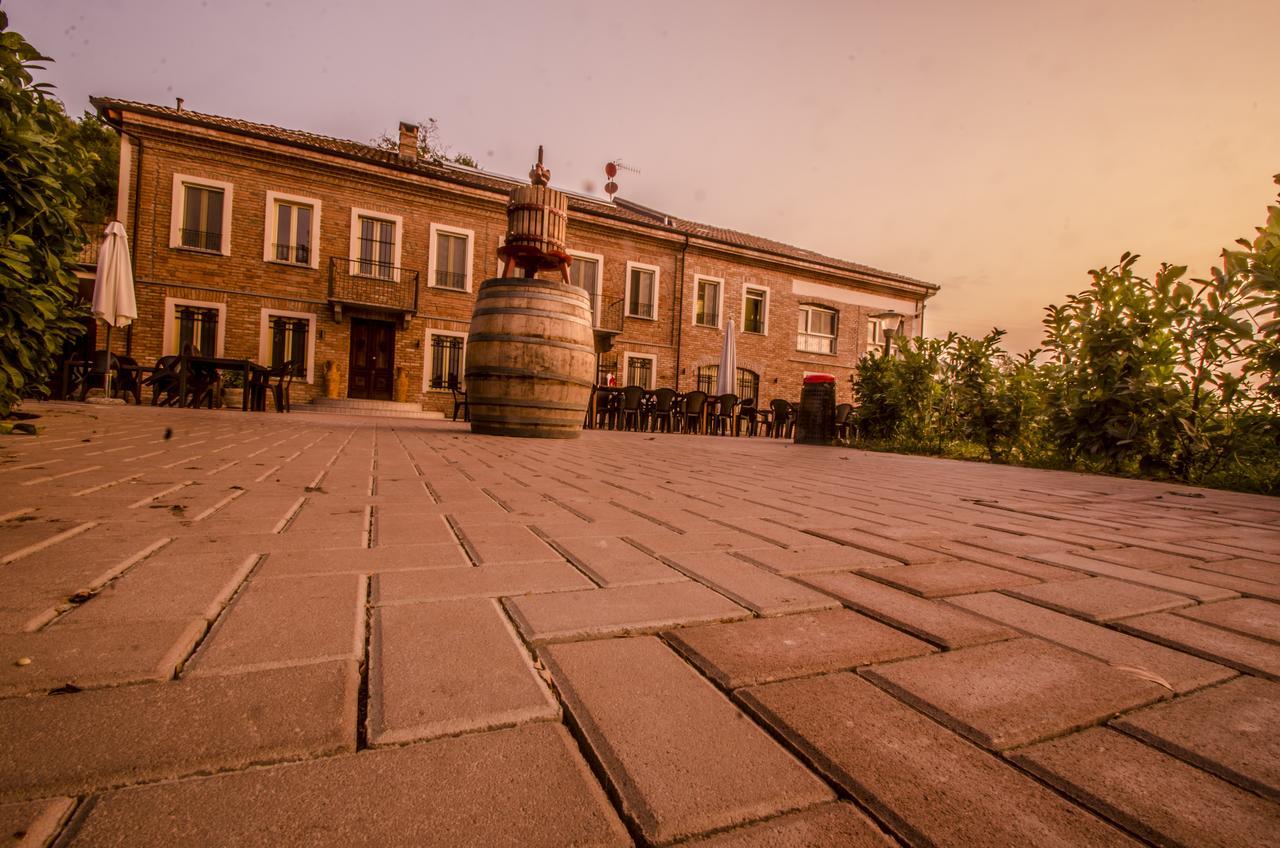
x,y
608,321
202,239
294,254
372,286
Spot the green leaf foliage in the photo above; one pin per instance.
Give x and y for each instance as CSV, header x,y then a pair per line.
x,y
46,172
1160,377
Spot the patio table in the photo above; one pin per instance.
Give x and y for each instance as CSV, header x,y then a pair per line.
x,y
245,366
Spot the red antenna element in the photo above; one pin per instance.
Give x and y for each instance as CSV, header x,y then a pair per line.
x,y
611,170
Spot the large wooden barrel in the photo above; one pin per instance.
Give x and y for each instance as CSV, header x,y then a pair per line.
x,y
530,359
537,218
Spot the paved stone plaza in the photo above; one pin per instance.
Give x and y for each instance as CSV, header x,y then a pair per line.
x,y
230,629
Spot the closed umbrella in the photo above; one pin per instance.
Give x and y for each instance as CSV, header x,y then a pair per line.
x,y
113,299
727,377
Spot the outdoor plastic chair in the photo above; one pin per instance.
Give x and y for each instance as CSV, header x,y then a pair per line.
x,y
843,413
782,423
691,417
460,402
746,412
663,414
164,381
630,408
722,421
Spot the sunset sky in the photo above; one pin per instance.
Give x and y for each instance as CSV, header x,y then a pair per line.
x,y
999,149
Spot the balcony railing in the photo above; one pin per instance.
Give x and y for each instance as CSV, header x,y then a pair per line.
x,y
202,239
608,321
374,285
296,254
451,279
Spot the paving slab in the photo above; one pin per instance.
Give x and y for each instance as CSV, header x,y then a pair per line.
x,y
489,581
565,616
1150,793
1232,730
92,740
288,621
1179,671
1247,569
1101,598
495,544
1005,562
826,826
1254,656
1205,573
942,579
935,621
1248,616
1143,558
611,561
753,587
88,656
929,785
1012,693
33,823
901,552
1203,592
352,560
827,557
682,759
408,796
450,667
166,588
747,653
370,501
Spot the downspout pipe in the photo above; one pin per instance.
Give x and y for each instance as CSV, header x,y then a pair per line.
x,y
677,308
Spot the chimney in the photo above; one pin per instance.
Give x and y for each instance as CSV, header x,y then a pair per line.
x,y
408,142
179,104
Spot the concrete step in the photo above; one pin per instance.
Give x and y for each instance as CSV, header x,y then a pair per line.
x,y
369,408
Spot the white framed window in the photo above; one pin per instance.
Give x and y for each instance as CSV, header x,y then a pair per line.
x,y
586,271
288,337
449,265
445,360
375,244
201,215
875,332
201,324
639,369
755,310
817,329
642,291
292,233
708,301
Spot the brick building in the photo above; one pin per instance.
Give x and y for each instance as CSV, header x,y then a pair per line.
x,y
252,240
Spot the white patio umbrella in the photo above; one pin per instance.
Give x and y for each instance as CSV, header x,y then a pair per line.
x,y
727,376
113,299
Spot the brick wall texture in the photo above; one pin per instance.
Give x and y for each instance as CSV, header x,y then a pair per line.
x,y
244,282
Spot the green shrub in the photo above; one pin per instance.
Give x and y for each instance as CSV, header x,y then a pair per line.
x,y
43,177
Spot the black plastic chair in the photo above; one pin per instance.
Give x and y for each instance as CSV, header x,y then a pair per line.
x,y
662,418
694,403
746,412
460,402
164,381
844,411
260,386
630,407
783,418
722,421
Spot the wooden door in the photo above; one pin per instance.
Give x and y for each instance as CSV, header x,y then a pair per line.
x,y
372,365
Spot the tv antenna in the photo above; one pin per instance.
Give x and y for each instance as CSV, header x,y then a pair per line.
x,y
611,170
